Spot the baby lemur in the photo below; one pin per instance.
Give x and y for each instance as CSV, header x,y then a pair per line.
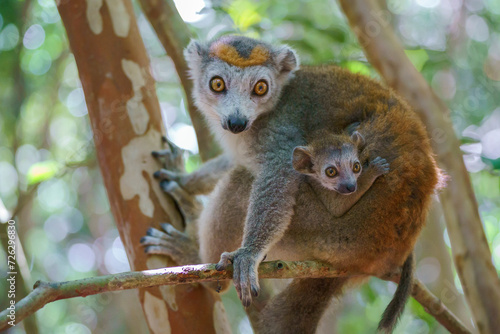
x,y
260,107
333,161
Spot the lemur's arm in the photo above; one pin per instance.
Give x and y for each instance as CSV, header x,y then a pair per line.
x,y
270,210
203,180
375,168
269,214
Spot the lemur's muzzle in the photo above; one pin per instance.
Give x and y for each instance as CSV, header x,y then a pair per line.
x,y
236,124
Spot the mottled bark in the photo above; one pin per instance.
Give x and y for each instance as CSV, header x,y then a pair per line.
x,y
126,122
470,249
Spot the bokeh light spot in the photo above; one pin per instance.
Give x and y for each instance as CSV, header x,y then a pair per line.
x,y
9,37
476,28
81,257
34,37
9,178
40,62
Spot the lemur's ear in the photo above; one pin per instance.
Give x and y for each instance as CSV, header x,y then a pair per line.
x,y
194,53
302,160
358,139
286,59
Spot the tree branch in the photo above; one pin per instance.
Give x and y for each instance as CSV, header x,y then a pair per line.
x,y
470,249
45,293
174,35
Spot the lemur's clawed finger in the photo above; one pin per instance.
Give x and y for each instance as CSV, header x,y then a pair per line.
x,y
189,205
153,241
160,153
163,250
172,147
170,157
165,174
173,243
172,231
381,165
225,259
153,232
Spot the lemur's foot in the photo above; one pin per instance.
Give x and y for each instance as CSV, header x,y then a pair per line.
x,y
182,247
171,242
245,277
380,166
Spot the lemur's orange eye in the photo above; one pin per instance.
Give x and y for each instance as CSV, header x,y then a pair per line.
x,y
356,168
217,84
331,172
260,88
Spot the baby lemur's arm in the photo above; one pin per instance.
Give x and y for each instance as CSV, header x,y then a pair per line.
x,y
343,203
203,180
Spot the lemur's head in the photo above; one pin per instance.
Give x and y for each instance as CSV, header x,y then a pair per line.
x,y
333,160
237,78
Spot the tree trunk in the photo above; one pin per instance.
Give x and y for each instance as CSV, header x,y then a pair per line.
x,y
126,121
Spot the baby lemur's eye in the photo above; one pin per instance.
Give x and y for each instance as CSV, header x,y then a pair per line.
x,y
356,168
331,172
217,84
260,88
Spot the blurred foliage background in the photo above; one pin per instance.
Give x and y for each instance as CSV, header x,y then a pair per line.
x,y
50,180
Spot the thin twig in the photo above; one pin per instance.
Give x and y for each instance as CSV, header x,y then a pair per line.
x,y
45,292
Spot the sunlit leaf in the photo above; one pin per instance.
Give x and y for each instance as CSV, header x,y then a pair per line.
x,y
357,67
42,171
418,58
244,13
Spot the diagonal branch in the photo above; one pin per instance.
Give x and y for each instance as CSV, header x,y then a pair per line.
x,y
45,293
174,35
470,249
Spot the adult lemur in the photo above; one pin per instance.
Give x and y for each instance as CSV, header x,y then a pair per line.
x,y
261,107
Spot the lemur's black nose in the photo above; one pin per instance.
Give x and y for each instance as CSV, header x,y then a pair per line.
x,y
350,187
236,124
347,188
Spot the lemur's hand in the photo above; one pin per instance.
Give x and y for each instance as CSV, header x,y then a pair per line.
x,y
168,175
379,166
245,277
172,161
172,157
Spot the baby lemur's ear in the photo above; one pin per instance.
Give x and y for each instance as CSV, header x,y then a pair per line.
x,y
194,54
286,59
358,139
302,160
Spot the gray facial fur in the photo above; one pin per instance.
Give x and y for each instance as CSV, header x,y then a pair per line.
x,y
331,151
238,99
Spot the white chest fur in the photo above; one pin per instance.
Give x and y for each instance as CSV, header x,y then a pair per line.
x,y
237,146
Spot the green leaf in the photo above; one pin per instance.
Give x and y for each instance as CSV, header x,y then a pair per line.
x,y
42,171
357,67
418,58
244,13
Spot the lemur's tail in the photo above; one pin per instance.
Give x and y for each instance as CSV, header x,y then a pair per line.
x,y
398,302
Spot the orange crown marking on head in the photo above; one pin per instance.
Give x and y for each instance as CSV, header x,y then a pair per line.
x,y
230,55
